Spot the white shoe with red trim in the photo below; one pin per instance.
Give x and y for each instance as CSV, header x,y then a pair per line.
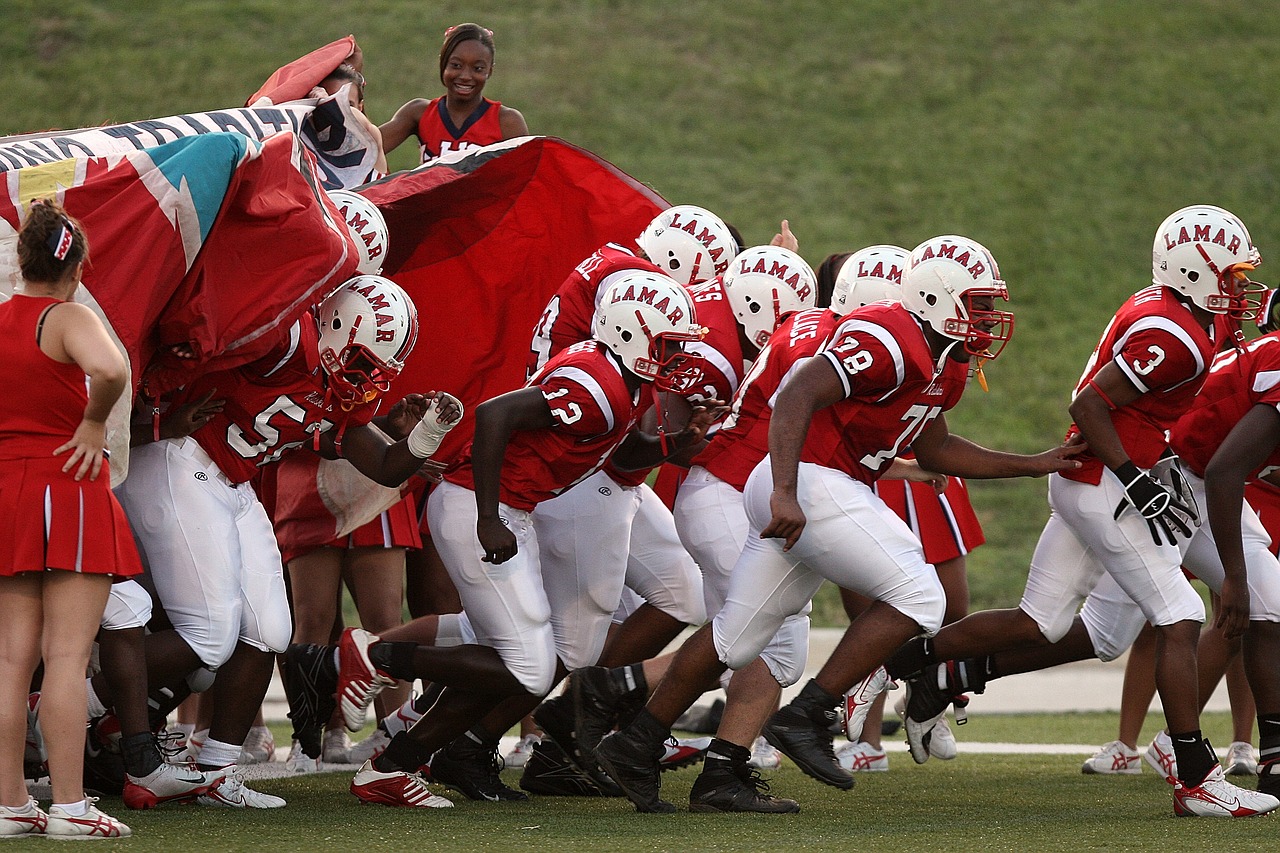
x,y
395,789
1161,758
861,757
91,824
1113,758
22,821
860,698
1216,797
168,783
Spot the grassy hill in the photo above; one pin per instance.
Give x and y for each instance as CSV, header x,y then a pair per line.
x,y
1057,134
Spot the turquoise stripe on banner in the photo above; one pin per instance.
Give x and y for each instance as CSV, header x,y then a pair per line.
x,y
205,164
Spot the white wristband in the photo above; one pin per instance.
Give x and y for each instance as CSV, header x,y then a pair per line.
x,y
425,437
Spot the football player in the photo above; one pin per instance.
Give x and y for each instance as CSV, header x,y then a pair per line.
x,y
892,369
207,538
1114,533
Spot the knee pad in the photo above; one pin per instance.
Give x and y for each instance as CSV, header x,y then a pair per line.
x,y
788,651
454,629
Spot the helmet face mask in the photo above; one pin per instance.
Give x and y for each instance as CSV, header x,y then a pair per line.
x,y
1205,253
367,329
688,243
873,274
645,319
367,226
765,283
944,277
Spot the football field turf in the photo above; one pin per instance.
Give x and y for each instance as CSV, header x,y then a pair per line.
x,y
1021,802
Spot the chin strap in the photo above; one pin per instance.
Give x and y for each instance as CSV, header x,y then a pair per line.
x,y
662,419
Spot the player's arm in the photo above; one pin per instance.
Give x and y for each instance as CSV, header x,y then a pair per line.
x,y
938,449
1242,452
496,420
402,125
815,385
1108,390
388,462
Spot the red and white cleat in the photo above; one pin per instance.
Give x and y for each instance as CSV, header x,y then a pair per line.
x,y
395,789
1216,797
358,679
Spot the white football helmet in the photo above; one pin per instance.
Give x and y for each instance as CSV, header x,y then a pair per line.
x,y
764,283
367,226
1205,253
688,243
367,328
645,318
942,273
869,275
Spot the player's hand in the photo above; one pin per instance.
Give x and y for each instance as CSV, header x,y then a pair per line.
x,y
405,414
1164,513
498,542
702,416
788,519
447,407
1060,458
432,470
86,446
1231,610
181,421
785,238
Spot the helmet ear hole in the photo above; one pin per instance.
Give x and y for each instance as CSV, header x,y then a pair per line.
x,y
336,323
1191,275
625,334
931,299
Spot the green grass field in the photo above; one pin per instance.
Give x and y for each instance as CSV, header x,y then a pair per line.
x,y
985,802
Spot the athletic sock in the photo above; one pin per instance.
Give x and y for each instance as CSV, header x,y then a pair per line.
x,y
910,658
1269,741
141,756
394,659
1195,757
724,754
629,679
403,753
216,754
815,703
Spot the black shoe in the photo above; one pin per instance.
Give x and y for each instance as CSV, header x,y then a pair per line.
x,y
633,765
808,744
597,704
1269,778
473,770
889,727
310,679
556,718
103,764
550,773
736,789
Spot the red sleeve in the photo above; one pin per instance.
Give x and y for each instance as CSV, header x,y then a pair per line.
x,y
1157,354
867,359
579,404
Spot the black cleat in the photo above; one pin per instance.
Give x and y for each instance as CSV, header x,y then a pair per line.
x,y
808,744
556,718
549,772
472,769
736,789
595,706
633,765
1269,777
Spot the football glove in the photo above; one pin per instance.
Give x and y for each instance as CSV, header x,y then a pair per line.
x,y
1164,512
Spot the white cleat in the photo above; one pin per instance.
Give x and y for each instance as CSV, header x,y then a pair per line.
x,y
860,698
1241,760
299,762
1216,797
259,746
336,747
942,741
233,793
764,756
519,754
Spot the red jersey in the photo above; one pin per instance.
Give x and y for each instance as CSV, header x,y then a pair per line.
x,y
1164,352
743,439
48,410
592,411
1237,381
893,388
567,318
273,405
437,134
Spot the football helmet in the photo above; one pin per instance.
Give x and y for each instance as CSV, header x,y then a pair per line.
x,y
367,227
688,243
367,328
869,275
645,319
942,275
1205,253
764,283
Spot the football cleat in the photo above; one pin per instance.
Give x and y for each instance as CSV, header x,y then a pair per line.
x,y
395,789
233,793
861,757
683,752
598,705
259,746
860,698
764,756
310,682
473,770
1241,760
807,744
557,718
1113,758
358,679
633,765
91,824
1162,759
721,788
22,821
168,783
299,762
924,704
369,748
518,757
1269,778
942,742
550,773
336,747
1216,797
